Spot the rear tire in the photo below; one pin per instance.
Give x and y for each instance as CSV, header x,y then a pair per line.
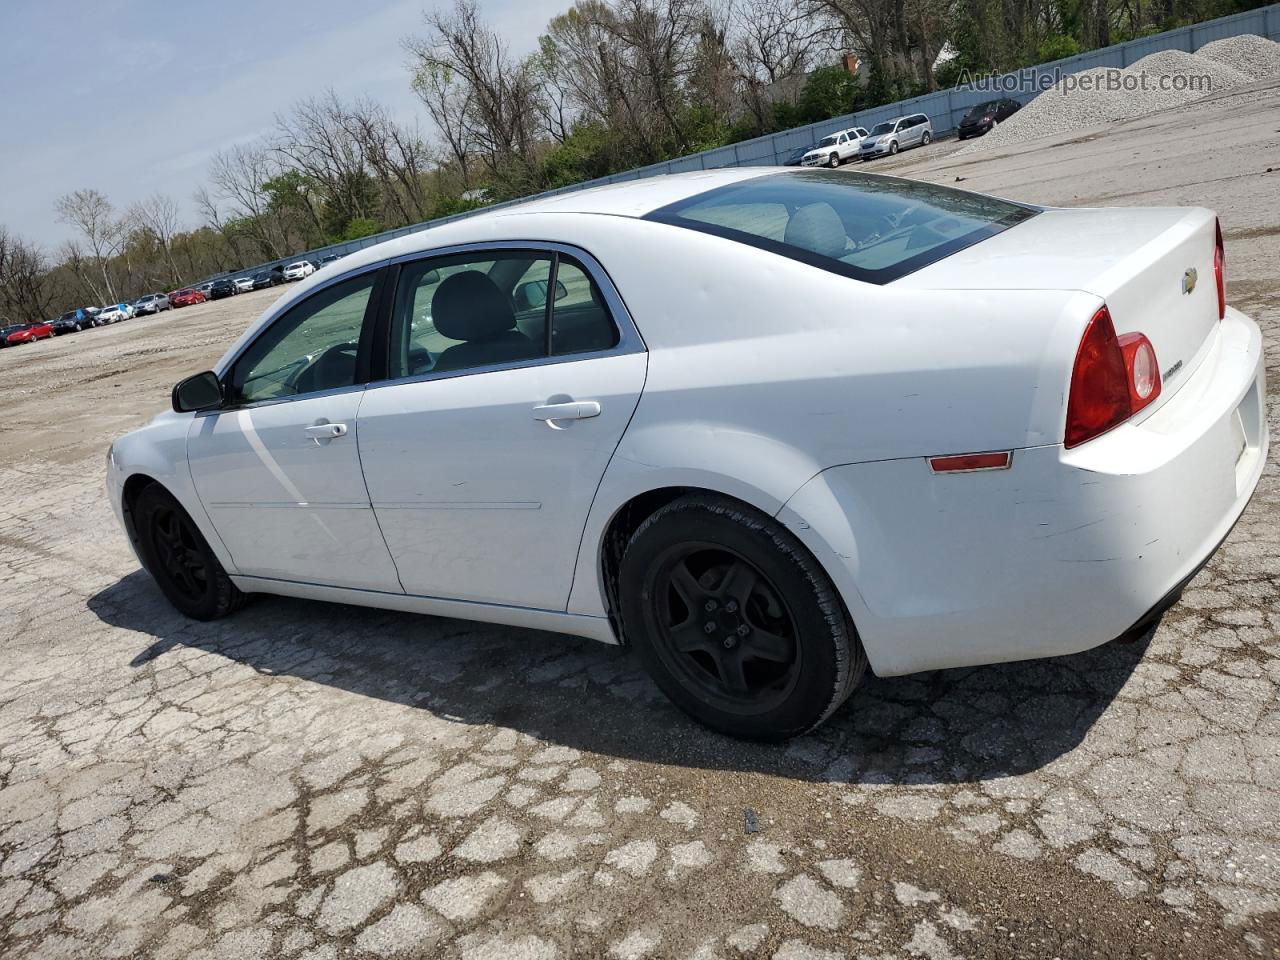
x,y
926,139
180,559
735,621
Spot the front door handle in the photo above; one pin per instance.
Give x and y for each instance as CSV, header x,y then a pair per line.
x,y
573,410
321,432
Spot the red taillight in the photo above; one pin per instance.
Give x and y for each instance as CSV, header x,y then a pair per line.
x,y
1219,269
1141,370
1103,390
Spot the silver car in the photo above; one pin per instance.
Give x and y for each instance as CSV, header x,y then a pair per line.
x,y
889,137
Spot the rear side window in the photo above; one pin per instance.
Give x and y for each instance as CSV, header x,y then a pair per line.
x,y
476,310
867,227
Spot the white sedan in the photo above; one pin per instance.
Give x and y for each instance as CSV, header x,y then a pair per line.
x,y
116,312
767,427
300,270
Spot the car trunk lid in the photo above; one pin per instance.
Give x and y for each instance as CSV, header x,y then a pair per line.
x,y
1152,266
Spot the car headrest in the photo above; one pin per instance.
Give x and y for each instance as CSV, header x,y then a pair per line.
x,y
469,306
816,227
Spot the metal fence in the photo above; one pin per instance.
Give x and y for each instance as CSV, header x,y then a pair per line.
x,y
944,109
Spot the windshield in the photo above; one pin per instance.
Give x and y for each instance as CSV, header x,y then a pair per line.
x,y
827,142
863,226
881,128
980,109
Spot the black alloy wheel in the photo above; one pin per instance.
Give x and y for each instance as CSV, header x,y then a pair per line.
x,y
178,547
735,620
179,558
723,628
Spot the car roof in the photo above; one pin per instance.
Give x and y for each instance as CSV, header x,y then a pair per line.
x,y
631,198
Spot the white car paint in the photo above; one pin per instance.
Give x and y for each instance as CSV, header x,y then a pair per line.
x,y
759,381
843,145
300,270
243,284
115,313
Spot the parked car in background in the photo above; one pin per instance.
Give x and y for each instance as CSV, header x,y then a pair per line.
x,y
836,149
267,278
205,288
8,329
325,261
795,156
981,118
893,135
186,297
151,303
30,333
299,270
73,321
115,313
222,288
243,284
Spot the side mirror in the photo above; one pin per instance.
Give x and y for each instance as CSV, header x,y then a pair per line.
x,y
430,277
201,392
531,295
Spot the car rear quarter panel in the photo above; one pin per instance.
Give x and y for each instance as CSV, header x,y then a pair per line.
x,y
765,371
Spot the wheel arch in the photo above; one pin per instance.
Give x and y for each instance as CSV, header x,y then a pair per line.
x,y
629,515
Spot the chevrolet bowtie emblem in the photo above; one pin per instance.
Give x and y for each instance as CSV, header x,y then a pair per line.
x,y
1189,280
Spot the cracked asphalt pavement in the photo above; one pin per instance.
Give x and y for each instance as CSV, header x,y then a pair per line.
x,y
312,781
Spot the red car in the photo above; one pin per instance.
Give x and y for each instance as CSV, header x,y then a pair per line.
x,y
30,333
185,297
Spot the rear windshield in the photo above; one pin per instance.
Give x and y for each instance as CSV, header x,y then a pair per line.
x,y
868,227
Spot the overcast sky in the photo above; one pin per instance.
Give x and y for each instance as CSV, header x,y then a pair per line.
x,y
133,96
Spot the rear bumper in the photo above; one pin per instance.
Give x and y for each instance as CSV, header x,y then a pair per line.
x,y
1065,550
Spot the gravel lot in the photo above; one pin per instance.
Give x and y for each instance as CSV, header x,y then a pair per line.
x,y
318,781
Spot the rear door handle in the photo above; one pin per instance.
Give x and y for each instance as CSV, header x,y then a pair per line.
x,y
320,432
573,410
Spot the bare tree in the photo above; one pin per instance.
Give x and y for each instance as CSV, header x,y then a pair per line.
x,y
73,258
159,214
498,96
240,177
315,139
777,39
398,157
93,215
25,290
448,103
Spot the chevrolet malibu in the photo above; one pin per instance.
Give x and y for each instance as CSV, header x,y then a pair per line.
x,y
767,427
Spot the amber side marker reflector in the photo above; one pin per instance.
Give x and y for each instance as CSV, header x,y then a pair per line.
x,y
970,462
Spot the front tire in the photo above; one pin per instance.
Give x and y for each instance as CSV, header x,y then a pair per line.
x,y
833,161
735,621
893,148
180,559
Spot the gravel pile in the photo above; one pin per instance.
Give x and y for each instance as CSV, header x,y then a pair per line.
x,y
1256,57
1165,79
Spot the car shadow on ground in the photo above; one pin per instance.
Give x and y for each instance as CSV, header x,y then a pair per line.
x,y
952,726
